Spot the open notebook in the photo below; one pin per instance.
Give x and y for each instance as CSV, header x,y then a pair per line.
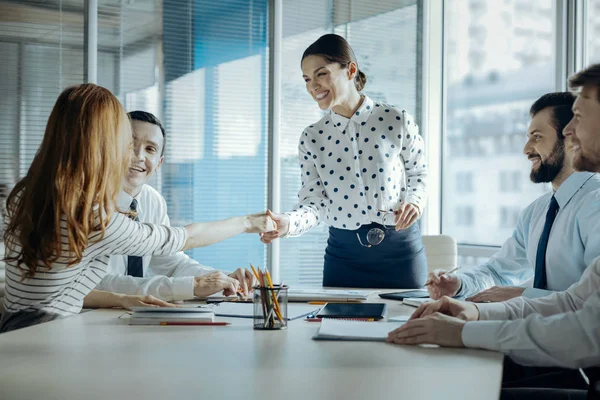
x,y
332,329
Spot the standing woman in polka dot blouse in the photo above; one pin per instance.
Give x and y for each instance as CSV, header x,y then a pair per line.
x,y
363,173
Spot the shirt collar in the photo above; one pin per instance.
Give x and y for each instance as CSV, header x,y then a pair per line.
x,y
571,186
124,201
361,115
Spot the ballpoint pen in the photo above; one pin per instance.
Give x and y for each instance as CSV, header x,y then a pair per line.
x,y
445,273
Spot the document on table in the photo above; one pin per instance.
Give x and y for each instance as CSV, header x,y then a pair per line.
x,y
316,294
246,310
333,329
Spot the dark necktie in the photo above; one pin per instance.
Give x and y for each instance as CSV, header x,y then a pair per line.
x,y
135,266
539,281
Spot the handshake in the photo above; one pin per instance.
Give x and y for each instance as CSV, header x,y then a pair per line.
x,y
268,225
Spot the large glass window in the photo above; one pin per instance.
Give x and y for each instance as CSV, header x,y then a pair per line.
x,y
385,37
592,34
499,58
202,68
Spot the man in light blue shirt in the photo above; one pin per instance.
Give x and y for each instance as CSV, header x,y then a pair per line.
x,y
571,245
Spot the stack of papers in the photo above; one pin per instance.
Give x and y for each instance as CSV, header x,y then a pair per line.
x,y
333,329
307,294
166,316
416,301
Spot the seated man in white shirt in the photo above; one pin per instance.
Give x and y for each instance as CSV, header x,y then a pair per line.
x,y
169,278
562,329
526,259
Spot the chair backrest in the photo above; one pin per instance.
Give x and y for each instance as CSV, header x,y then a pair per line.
x,y
441,252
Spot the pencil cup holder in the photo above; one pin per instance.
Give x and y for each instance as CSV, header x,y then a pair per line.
x,y
270,307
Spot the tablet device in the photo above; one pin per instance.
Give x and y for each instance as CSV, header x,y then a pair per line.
x,y
375,311
403,295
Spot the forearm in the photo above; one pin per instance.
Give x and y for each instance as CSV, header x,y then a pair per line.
x,y
102,299
202,234
161,287
528,340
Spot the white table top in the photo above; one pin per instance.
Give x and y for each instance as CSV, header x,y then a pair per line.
x,y
95,355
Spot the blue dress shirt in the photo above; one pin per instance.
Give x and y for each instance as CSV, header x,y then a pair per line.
x,y
574,242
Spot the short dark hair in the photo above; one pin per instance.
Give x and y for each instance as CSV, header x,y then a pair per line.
x,y
144,116
335,48
561,104
589,76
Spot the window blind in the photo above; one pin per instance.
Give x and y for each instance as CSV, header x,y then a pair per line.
x,y
41,43
201,67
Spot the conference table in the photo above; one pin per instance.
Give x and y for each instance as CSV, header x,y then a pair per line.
x,y
97,355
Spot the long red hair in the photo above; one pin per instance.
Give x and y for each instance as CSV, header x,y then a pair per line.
x,y
74,178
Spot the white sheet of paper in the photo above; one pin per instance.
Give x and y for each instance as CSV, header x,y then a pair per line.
x,y
416,301
355,330
399,318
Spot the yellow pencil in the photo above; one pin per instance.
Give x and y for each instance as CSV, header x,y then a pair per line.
x,y
277,308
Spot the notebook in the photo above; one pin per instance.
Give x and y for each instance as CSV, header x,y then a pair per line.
x,y
404,295
416,301
333,329
245,310
399,318
375,311
161,317
307,294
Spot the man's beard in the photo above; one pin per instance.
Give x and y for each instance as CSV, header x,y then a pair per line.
x,y
585,163
551,167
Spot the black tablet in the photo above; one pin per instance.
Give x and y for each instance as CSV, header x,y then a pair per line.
x,y
376,311
402,295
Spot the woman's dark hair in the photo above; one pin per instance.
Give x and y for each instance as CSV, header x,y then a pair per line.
x,y
335,49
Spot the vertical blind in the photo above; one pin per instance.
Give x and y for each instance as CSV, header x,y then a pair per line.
x,y
201,67
41,43
386,37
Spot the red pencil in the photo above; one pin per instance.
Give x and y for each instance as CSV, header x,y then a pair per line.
x,y
197,323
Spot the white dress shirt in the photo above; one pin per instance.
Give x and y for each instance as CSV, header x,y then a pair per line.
x,y
562,329
169,277
353,167
573,244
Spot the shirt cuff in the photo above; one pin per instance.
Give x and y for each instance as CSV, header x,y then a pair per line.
x,y
482,334
492,311
295,228
183,288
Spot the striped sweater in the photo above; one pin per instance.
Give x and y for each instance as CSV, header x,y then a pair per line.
x,y
61,290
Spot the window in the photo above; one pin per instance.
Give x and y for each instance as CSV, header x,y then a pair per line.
x,y
592,32
464,182
42,53
202,68
385,39
464,216
510,181
491,81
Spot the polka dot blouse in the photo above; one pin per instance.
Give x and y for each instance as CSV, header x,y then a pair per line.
x,y
352,168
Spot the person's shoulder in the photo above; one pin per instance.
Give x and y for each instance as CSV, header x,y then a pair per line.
x,y
151,199
592,184
589,203
538,206
320,125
